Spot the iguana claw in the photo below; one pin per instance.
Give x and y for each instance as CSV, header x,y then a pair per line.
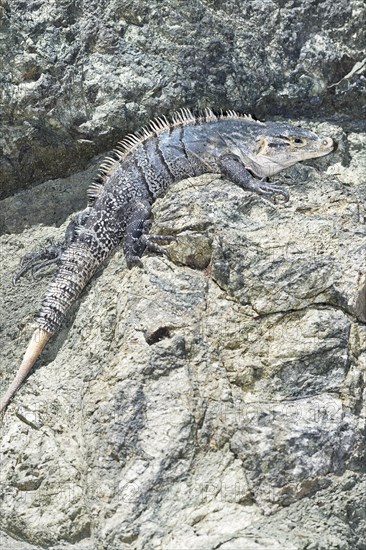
x,y
39,259
269,189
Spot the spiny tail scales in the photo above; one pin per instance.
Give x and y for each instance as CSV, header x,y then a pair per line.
x,y
78,265
140,169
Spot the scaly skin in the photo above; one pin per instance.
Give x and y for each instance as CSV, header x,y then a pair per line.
x,y
141,168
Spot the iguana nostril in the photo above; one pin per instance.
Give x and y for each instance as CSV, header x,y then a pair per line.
x,y
328,143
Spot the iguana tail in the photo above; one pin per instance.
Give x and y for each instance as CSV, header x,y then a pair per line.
x,y
78,264
37,343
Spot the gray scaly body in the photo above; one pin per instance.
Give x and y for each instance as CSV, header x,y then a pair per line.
x,y
140,169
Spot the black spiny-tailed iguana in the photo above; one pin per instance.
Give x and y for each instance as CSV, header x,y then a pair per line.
x,y
140,169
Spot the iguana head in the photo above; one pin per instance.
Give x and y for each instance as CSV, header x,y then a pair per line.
x,y
279,146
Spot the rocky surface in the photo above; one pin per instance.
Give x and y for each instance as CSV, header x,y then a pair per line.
x,y
76,76
212,400
215,399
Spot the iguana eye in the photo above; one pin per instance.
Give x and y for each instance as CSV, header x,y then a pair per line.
x,y
298,141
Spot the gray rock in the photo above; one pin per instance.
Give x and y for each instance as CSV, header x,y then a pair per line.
x,y
211,400
76,77
215,399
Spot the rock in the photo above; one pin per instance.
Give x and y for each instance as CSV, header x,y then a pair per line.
x,y
214,399
78,77
210,400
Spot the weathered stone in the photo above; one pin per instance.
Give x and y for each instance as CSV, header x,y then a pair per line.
x,y
76,77
214,407
215,399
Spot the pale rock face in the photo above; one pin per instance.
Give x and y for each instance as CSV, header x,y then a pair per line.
x,y
183,401
216,399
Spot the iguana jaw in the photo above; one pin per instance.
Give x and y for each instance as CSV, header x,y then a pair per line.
x,y
275,153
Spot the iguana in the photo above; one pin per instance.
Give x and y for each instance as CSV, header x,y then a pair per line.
x,y
140,169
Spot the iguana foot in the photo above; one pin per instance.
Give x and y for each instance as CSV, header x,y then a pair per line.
x,y
155,237
39,259
270,189
149,239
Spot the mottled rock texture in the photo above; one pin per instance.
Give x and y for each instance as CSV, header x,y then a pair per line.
x,y
76,76
215,399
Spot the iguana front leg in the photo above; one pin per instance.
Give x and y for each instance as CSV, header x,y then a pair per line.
x,y
138,216
232,168
137,236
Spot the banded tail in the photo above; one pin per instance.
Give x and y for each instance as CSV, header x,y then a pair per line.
x,y
78,265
